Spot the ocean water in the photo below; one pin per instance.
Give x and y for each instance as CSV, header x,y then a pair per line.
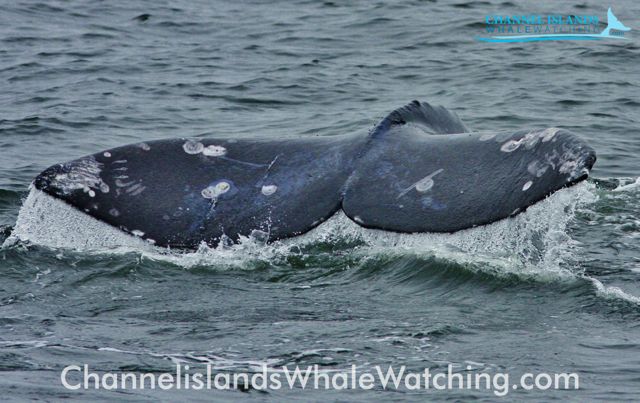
x,y
553,290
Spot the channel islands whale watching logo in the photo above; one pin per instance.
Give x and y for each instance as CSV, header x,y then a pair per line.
x,y
533,28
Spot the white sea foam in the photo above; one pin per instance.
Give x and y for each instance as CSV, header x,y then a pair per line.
x,y
47,221
612,292
629,187
534,243
528,241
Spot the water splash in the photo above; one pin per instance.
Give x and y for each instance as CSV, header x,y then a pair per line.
x,y
629,187
534,243
50,222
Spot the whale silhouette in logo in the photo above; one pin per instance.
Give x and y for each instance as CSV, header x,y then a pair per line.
x,y
419,170
613,23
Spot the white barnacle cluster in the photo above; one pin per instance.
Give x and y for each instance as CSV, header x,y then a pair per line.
x,y
213,192
81,174
195,147
564,159
530,139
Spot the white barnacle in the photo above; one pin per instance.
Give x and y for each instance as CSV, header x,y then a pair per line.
x,y
222,187
358,219
423,185
107,154
104,188
144,146
92,193
114,212
192,147
510,146
527,186
137,232
212,192
268,190
214,151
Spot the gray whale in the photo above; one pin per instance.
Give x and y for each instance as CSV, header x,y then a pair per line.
x,y
419,170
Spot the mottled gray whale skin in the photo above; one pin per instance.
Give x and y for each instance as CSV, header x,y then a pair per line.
x,y
419,170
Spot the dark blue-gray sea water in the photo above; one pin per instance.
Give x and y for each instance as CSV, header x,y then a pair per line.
x,y
554,290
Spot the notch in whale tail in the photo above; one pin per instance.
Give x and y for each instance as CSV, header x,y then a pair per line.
x,y
613,23
431,119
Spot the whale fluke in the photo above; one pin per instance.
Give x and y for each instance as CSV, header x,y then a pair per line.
x,y
414,181
419,170
181,192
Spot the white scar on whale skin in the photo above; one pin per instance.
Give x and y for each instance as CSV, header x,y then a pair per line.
x,y
530,140
423,184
